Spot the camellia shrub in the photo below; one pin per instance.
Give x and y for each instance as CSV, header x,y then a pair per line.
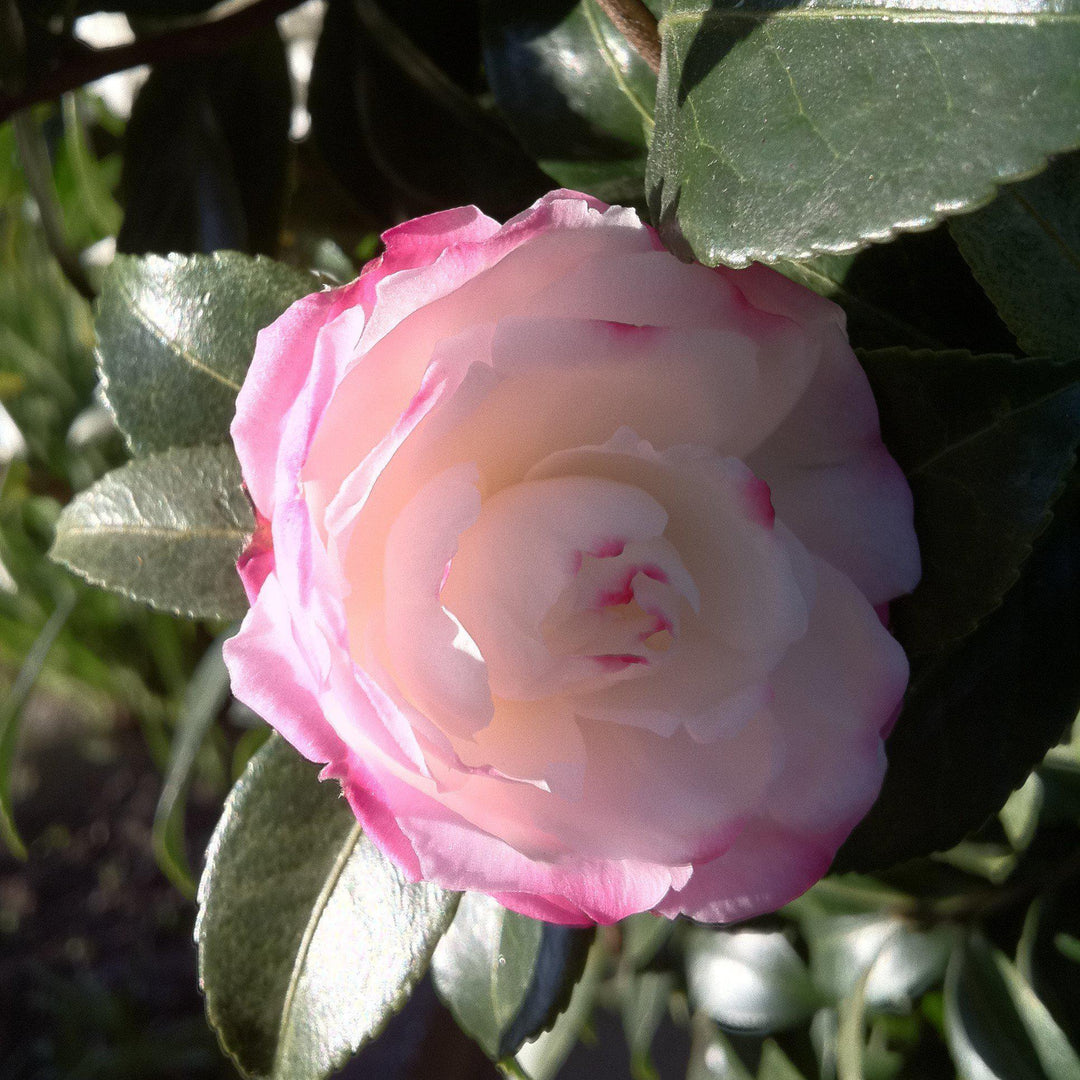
x,y
661,588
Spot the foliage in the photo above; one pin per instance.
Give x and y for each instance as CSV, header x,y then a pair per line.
x,y
793,133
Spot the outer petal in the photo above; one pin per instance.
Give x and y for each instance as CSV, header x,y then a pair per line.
x,y
278,380
836,486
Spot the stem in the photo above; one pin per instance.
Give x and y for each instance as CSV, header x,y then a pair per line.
x,y
210,35
638,25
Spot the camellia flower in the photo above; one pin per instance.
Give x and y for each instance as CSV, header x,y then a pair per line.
x,y
567,565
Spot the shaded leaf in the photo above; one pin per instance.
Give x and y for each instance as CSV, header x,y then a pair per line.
x,y
206,694
748,980
403,136
543,1057
645,1000
980,714
176,336
166,530
574,91
986,444
997,1029
309,938
503,975
788,129
206,151
1025,250
775,1064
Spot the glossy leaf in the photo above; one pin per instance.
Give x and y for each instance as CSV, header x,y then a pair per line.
x,y
1025,250
978,715
309,938
175,338
505,976
996,1027
748,980
206,152
400,133
788,129
986,444
204,698
574,91
166,530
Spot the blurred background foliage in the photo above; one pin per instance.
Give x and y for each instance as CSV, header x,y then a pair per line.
x,y
301,131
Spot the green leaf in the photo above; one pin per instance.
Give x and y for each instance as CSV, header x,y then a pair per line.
x,y
979,715
748,980
543,1057
645,1001
373,81
1020,814
787,129
309,938
503,975
204,699
1025,250
775,1064
986,444
165,529
574,91
176,335
997,1029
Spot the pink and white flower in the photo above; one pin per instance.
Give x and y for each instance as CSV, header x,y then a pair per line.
x,y
568,561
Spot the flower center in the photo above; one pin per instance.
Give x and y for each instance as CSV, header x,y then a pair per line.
x,y
621,610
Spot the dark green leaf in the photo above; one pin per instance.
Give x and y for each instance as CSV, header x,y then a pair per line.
x,y
401,134
986,443
309,939
543,1057
176,335
204,698
785,129
1046,954
748,980
505,976
1025,250
996,1027
574,91
206,152
980,714
165,529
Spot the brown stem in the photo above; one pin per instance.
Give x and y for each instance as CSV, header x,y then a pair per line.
x,y
207,36
638,25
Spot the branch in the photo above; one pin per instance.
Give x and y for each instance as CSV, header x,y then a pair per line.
x,y
637,24
211,35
